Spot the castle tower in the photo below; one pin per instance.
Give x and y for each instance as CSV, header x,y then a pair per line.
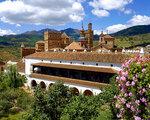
x,y
90,36
52,40
46,40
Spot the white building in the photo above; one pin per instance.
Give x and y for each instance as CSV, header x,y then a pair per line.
x,y
85,72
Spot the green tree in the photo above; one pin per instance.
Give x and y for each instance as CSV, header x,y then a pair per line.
x,y
12,98
49,104
82,108
13,78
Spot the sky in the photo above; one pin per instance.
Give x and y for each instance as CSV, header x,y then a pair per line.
x,y
18,16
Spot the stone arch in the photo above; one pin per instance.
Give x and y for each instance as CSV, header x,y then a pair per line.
x,y
88,93
33,83
74,91
42,85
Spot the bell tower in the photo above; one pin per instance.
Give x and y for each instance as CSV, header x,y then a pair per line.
x,y
90,36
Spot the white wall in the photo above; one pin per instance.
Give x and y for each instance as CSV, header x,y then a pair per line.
x,y
28,62
28,71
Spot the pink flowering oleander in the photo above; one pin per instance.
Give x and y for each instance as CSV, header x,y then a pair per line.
x,y
134,84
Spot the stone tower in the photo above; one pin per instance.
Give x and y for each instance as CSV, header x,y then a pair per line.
x,y
89,36
52,40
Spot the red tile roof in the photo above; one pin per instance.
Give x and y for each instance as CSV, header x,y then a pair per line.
x,y
74,46
81,56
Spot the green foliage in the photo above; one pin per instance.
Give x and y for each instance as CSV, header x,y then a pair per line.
x,y
110,91
12,98
49,104
13,101
13,78
105,113
81,108
132,41
9,53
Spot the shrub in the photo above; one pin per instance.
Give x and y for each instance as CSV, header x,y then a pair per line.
x,y
134,85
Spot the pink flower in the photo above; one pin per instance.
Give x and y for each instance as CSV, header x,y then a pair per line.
x,y
143,100
132,83
136,75
143,70
137,118
130,94
143,90
117,78
125,73
132,108
123,78
123,100
128,105
128,83
137,102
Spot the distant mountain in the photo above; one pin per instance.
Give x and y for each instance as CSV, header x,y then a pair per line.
x,y
30,37
135,30
73,33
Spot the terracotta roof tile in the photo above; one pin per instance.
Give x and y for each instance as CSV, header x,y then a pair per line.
x,y
74,46
81,56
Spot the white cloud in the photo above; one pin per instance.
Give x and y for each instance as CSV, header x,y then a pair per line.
x,y
6,32
115,28
128,11
139,20
135,20
52,12
109,5
100,13
98,32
